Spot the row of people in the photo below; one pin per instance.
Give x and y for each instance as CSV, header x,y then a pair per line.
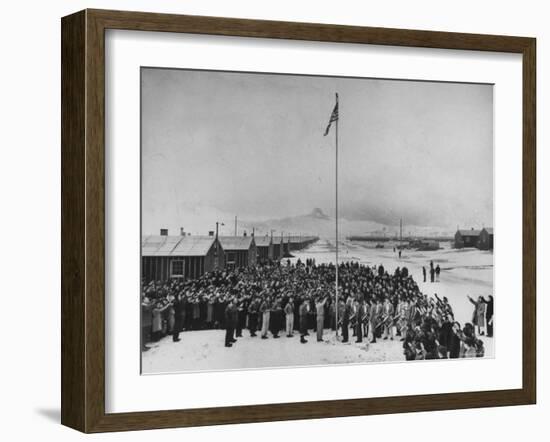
x,y
203,301
275,298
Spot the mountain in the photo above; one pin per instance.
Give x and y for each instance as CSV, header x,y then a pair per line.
x,y
201,219
316,222
318,214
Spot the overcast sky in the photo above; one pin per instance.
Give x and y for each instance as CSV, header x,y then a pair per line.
x,y
217,143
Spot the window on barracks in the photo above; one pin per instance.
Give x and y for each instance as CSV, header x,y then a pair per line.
x,y
177,269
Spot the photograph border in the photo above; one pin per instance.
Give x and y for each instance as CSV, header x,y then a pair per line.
x,y
83,219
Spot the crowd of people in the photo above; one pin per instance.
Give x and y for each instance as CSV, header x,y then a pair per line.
x,y
287,299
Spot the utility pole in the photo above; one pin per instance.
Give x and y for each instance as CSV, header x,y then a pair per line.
x,y
216,252
336,210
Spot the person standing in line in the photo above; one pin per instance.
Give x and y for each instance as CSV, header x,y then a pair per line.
x,y
489,312
366,320
346,314
188,322
409,346
210,312
183,307
289,316
230,322
260,314
432,274
157,320
202,311
253,317
171,314
455,341
276,318
219,311
146,322
403,309
437,272
242,311
478,317
377,313
444,337
178,325
359,317
303,320
196,313
265,312
388,319
373,320
297,301
311,324
320,310
332,315
235,318
424,273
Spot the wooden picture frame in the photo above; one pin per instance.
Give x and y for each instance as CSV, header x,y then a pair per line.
x,y
83,220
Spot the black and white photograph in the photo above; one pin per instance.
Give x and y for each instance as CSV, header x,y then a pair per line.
x,y
301,220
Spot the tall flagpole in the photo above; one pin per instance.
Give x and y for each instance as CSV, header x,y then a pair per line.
x,y
336,199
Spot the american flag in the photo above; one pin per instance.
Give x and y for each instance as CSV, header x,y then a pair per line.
x,y
333,117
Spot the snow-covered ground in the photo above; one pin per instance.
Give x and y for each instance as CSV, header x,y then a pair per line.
x,y
463,272
205,350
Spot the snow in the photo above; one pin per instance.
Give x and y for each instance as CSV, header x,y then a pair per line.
x,y
205,350
463,272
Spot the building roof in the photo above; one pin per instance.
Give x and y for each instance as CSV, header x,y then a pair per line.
x,y
236,242
471,232
262,241
159,245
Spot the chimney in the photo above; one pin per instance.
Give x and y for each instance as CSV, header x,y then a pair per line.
x,y
182,232
211,233
163,232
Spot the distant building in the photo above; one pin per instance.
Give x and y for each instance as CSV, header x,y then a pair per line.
x,y
300,242
286,247
264,248
424,245
277,244
466,238
240,251
296,243
486,237
166,257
